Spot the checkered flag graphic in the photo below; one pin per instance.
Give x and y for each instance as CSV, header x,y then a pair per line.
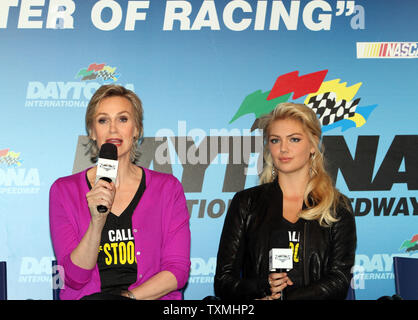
x,y
10,161
105,75
329,110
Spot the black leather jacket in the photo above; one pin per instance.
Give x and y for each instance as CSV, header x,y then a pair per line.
x,y
242,262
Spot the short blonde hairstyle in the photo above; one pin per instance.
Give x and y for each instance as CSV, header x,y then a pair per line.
x,y
112,90
321,197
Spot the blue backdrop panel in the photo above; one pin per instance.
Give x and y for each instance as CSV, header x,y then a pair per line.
x,y
206,70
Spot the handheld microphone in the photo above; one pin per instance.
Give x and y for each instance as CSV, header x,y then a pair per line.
x,y
280,255
107,167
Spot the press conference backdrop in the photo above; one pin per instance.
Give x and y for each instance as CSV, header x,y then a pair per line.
x,y
205,71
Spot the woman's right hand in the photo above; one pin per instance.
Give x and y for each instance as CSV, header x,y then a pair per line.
x,y
102,193
85,254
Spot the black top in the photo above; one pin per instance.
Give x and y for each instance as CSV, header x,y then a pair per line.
x,y
293,233
117,260
243,257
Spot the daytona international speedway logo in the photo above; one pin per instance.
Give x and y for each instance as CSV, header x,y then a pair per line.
x,y
72,94
335,104
14,177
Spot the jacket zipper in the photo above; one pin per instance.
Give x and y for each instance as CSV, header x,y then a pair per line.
x,y
305,264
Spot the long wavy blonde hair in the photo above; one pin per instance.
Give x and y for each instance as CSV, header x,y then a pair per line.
x,y
321,196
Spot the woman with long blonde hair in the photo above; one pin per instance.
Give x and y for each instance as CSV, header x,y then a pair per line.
x,y
295,206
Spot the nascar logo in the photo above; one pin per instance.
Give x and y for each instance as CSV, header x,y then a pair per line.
x,y
387,50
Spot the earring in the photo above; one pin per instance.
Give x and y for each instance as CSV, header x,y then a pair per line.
x,y
312,171
273,173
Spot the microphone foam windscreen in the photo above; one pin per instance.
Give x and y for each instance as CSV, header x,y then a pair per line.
x,y
279,239
108,151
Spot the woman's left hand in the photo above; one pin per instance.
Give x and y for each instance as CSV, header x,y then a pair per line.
x,y
278,281
127,294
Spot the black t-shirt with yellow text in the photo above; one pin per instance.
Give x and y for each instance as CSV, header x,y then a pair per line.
x,y
292,233
117,260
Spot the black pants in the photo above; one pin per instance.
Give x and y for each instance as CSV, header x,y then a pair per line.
x,y
104,296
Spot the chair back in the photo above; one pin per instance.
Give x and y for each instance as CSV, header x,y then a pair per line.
x,y
56,281
3,280
406,277
351,295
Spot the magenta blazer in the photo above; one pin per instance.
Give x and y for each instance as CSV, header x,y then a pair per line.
x,y
160,226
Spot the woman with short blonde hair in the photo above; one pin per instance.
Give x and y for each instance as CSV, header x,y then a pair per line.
x,y
139,248
113,90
